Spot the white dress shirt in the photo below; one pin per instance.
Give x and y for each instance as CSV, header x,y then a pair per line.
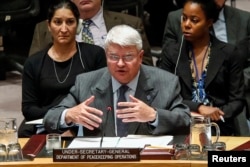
x,y
220,27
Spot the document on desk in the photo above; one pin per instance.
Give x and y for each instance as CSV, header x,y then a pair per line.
x,y
94,142
131,141
135,141
37,121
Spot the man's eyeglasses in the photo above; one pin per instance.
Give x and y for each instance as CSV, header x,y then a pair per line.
x,y
116,58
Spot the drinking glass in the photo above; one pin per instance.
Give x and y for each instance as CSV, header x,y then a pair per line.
x,y
3,153
15,152
194,152
205,150
53,141
181,152
219,146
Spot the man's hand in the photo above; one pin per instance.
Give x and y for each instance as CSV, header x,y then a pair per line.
x,y
135,111
84,115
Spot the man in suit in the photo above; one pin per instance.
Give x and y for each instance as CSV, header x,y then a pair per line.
x,y
102,22
230,20
153,103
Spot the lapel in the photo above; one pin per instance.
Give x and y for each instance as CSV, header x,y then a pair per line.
x,y
145,91
110,19
231,24
103,99
183,67
217,58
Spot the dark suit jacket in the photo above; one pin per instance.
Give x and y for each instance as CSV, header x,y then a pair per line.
x,y
156,87
237,25
224,83
42,36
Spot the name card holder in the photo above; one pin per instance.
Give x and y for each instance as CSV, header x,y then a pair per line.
x,y
96,154
157,154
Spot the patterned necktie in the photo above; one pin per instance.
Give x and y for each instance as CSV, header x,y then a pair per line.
x,y
122,128
86,33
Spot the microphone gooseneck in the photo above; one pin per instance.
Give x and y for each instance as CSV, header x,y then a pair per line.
x,y
109,109
179,55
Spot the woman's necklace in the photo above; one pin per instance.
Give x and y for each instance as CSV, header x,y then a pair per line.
x,y
54,64
197,76
198,83
58,80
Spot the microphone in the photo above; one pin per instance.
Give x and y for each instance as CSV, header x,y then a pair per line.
x,y
109,109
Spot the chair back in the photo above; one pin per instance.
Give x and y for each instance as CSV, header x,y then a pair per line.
x,y
16,10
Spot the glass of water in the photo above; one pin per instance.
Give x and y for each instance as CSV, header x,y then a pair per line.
x,y
15,152
53,141
3,153
181,152
219,146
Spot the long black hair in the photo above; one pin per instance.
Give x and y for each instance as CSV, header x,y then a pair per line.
x,y
58,4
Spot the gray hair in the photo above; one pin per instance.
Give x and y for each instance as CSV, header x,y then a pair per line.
x,y
124,35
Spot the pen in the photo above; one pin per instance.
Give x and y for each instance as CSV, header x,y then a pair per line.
x,y
222,119
64,143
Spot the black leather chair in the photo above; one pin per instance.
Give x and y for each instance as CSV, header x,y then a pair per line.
x,y
14,14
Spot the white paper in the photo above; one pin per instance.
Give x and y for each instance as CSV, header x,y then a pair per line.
x,y
37,121
139,141
131,141
88,142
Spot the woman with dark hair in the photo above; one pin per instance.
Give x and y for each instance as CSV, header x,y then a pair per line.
x,y
49,74
210,72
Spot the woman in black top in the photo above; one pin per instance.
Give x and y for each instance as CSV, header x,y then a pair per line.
x,y
49,74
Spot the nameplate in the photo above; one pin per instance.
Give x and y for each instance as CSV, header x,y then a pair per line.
x,y
96,154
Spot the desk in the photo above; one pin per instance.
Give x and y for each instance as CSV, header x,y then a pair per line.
x,y
231,142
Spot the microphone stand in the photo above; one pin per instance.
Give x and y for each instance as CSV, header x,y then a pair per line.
x,y
104,126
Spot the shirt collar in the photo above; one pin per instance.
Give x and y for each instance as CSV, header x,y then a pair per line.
x,y
221,15
98,18
132,84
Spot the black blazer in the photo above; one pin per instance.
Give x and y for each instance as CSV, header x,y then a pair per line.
x,y
234,18
224,84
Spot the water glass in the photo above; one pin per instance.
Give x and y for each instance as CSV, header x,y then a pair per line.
x,y
53,141
181,152
3,153
219,146
194,152
15,152
205,150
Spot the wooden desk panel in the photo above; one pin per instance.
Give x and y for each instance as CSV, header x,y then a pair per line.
x,y
231,142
